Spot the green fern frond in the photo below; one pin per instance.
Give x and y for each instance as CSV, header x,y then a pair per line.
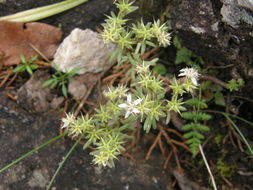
x,y
194,102
197,126
193,115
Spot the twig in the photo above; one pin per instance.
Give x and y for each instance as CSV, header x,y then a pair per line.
x,y
11,81
39,52
165,165
181,144
5,79
227,181
215,80
126,154
244,98
175,132
160,143
207,166
9,95
153,145
89,91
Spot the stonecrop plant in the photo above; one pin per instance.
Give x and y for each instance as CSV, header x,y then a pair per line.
x,y
143,100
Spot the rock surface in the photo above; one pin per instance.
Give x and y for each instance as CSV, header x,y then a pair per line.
x,y
76,88
221,31
33,97
236,11
83,49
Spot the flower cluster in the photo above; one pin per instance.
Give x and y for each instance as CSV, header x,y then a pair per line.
x,y
149,105
116,31
144,101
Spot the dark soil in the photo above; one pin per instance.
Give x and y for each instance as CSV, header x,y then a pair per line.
x,y
21,132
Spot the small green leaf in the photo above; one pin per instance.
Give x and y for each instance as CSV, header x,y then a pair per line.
x,y
19,68
143,48
198,135
54,83
150,44
159,69
23,59
176,42
33,59
72,72
193,115
147,124
137,49
197,103
201,127
64,90
55,66
29,70
33,67
183,56
193,141
219,99
188,135
48,82
154,124
187,127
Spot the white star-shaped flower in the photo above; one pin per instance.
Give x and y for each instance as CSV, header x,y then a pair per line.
x,y
68,120
142,68
164,38
190,73
131,106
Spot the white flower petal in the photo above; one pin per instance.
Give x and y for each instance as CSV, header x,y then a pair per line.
x,y
181,74
135,110
129,98
127,114
194,81
136,102
123,105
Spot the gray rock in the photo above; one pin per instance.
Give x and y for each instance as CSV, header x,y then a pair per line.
x,y
40,178
248,4
200,26
220,31
83,49
34,97
233,12
76,89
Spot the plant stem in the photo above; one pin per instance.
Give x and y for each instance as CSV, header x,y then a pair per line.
x,y
32,151
43,12
64,160
240,133
207,166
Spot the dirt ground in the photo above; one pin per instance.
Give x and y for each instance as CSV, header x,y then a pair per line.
x,y
20,132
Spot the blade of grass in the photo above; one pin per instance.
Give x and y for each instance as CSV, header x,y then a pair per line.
x,y
64,160
32,151
240,118
240,133
43,12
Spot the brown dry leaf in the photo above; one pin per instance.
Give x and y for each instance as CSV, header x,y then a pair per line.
x,y
17,39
